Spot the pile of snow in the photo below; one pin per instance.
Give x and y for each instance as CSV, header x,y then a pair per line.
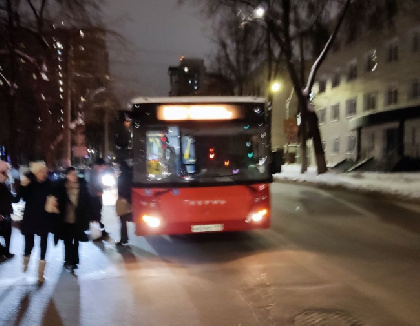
x,y
402,184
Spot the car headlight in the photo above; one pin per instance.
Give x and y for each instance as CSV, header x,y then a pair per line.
x,y
108,180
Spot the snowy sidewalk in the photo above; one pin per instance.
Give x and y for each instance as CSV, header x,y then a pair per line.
x,y
405,185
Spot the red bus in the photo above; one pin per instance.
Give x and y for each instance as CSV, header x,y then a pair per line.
x,y
200,164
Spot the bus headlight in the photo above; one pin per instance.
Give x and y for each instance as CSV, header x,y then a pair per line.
x,y
151,220
108,180
257,216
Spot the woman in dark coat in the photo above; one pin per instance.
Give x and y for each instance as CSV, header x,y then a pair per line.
x,y
36,220
6,209
74,206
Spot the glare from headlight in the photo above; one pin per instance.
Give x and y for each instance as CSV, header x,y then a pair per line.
x,y
152,221
108,180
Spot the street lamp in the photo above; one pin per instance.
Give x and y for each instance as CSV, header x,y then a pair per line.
x,y
275,86
259,12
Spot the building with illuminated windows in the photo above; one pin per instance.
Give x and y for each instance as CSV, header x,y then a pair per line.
x,y
187,78
190,78
367,94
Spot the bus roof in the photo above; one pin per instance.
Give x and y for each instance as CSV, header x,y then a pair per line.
x,y
198,99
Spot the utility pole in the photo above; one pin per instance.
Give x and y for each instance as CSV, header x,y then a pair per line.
x,y
12,86
67,49
106,132
270,92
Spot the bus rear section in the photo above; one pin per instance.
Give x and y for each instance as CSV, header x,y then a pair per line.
x,y
201,209
200,164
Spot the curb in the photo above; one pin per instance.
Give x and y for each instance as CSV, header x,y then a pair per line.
x,y
370,192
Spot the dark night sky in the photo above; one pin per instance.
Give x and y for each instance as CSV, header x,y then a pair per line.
x,y
160,32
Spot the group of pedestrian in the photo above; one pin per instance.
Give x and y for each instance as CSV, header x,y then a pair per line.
x,y
64,208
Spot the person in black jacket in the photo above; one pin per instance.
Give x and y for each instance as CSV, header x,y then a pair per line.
x,y
94,183
73,220
6,209
36,220
124,191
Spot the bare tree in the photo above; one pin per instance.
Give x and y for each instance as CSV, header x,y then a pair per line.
x,y
238,46
26,67
292,25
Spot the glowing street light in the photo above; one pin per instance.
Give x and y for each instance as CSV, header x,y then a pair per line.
x,y
259,12
275,86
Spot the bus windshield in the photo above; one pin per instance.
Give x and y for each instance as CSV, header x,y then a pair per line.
x,y
175,154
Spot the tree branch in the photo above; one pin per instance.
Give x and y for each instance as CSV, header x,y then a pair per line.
x,y
323,55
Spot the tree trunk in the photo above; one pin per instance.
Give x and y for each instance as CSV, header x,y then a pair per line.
x,y
303,137
312,119
12,92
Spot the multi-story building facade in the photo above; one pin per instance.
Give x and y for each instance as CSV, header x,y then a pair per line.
x,y
187,78
367,94
190,78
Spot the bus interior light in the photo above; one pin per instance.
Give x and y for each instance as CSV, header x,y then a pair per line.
x,y
151,220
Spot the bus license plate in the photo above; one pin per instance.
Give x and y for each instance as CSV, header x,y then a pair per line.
x,y
207,228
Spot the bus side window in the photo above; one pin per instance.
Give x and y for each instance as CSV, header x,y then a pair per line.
x,y
188,153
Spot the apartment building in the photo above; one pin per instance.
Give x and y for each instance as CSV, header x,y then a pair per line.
x,y
367,94
190,78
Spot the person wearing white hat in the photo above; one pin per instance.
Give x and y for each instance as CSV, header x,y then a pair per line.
x,y
6,209
36,220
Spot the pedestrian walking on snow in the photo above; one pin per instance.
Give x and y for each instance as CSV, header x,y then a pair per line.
x,y
124,201
73,220
36,220
96,189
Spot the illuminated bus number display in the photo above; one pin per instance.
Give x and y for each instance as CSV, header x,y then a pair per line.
x,y
198,112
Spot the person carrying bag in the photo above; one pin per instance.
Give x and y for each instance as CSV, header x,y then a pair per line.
x,y
123,203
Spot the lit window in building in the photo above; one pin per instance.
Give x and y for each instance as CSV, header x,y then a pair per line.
x,y
336,79
335,112
391,95
351,107
415,89
352,71
322,114
370,101
351,143
336,145
322,85
392,52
